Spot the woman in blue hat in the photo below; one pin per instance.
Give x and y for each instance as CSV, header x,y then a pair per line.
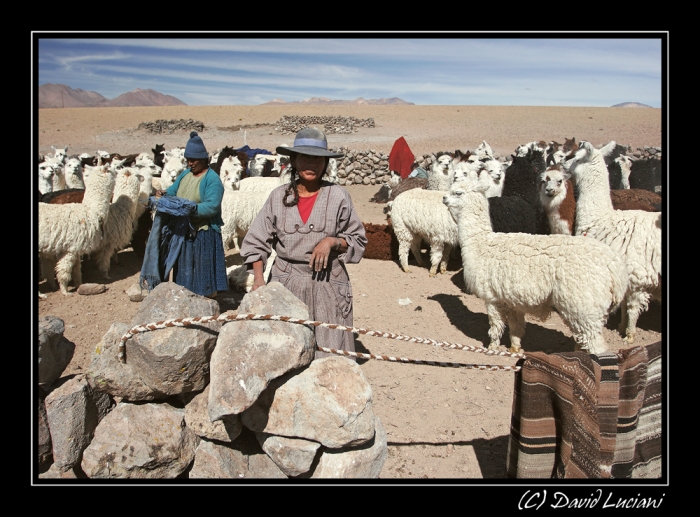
x,y
201,265
313,227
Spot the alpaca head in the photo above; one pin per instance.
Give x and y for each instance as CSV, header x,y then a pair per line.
x,y
553,181
484,152
442,164
231,172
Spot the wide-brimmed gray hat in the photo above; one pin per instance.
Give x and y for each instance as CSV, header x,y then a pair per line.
x,y
309,141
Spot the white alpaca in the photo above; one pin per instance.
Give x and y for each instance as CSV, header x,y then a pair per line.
x,y
469,170
517,273
231,172
635,234
73,173
238,210
119,225
441,174
483,152
47,171
625,163
418,215
332,170
68,231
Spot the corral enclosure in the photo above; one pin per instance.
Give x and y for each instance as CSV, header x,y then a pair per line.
x,y
441,422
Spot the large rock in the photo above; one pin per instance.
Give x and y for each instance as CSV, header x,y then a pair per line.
x,y
197,418
45,448
141,441
173,360
329,402
241,459
364,461
73,411
106,373
294,456
249,354
55,351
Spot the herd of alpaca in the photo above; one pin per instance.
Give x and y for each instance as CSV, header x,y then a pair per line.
x,y
542,192
557,227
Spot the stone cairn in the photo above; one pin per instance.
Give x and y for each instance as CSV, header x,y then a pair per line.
x,y
242,399
170,126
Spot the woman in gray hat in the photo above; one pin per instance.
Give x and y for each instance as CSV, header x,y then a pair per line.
x,y
313,227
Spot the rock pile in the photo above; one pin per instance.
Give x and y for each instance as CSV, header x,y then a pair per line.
x,y
370,167
170,126
291,124
243,399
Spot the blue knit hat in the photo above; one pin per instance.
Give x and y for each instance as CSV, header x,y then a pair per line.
x,y
195,147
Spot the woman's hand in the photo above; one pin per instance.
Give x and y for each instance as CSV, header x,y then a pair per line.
x,y
258,277
257,282
319,257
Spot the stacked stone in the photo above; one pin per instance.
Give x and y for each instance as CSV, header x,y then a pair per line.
x,y
371,167
367,167
646,152
288,125
211,400
170,126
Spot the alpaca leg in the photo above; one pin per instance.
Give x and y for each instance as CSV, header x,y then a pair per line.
x,y
64,268
497,325
415,249
516,326
637,303
445,257
77,273
102,260
623,316
403,255
48,266
436,254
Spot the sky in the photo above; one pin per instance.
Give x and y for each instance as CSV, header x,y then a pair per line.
x,y
491,69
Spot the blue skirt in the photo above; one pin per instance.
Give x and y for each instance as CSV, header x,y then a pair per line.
x,y
201,266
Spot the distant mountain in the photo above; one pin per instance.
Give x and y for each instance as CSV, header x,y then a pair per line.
x,y
325,101
631,105
63,96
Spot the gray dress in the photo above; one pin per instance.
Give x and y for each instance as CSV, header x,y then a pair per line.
x,y
328,294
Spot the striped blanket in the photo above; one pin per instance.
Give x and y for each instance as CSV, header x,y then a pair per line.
x,y
577,415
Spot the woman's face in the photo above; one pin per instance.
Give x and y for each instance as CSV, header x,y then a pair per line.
x,y
310,168
197,166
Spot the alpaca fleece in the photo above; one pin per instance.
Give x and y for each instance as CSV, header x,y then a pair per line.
x,y
634,234
66,232
517,274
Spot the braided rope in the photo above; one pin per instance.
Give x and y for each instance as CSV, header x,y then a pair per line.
x,y
224,318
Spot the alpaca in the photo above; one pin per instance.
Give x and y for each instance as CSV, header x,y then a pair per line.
x,y
418,215
557,198
441,174
73,173
635,234
118,227
517,274
68,231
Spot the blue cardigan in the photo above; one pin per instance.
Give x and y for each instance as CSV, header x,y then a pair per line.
x,y
211,192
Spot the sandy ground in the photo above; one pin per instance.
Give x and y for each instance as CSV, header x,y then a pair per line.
x,y
442,422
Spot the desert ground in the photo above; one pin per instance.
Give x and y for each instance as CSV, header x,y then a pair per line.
x,y
443,423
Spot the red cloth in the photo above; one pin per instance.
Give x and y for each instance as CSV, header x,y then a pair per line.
x,y
401,158
305,205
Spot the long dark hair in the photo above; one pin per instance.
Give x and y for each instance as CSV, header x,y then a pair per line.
x,y
292,189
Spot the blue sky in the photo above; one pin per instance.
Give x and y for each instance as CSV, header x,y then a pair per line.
x,y
248,69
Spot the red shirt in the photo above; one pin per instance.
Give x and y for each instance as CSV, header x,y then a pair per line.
x,y
305,206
